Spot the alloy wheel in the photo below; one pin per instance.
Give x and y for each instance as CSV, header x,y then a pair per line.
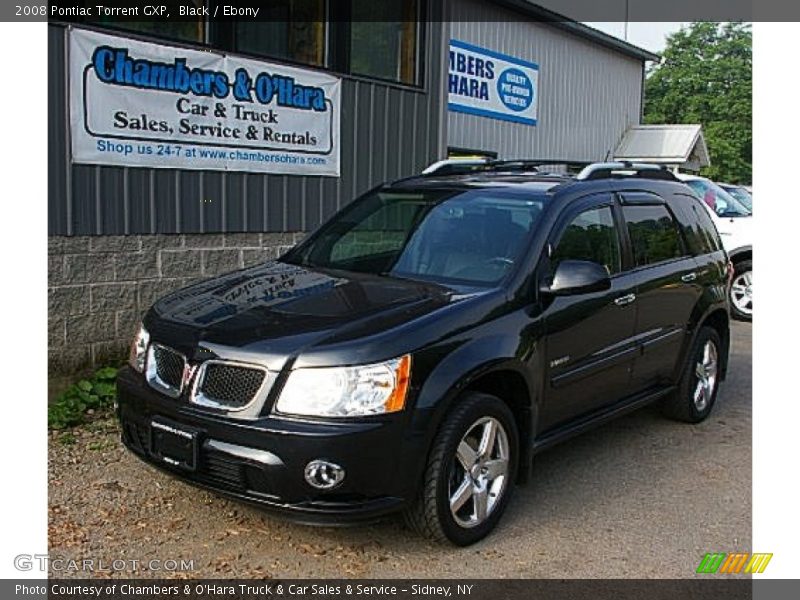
x,y
706,371
742,292
479,473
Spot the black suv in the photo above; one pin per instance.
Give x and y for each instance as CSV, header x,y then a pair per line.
x,y
419,348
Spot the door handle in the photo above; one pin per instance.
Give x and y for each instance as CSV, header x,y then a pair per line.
x,y
623,300
689,277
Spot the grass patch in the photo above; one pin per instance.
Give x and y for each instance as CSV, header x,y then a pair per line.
x,y
67,439
102,445
83,399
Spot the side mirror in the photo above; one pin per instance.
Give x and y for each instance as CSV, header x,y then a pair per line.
x,y
577,277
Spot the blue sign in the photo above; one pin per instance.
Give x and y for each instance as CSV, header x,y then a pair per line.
x,y
515,90
489,84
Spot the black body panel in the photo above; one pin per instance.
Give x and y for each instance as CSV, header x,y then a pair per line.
x,y
563,362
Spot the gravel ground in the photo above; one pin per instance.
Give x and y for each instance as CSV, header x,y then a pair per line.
x,y
640,497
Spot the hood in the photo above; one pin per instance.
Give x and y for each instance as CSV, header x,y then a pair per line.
x,y
280,309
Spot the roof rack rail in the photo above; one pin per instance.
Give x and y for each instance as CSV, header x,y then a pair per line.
x,y
612,170
453,166
588,170
449,166
537,163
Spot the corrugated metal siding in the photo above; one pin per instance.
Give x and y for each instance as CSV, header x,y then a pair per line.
x,y
387,132
589,94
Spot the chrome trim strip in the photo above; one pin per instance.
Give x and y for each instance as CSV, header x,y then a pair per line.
x,y
151,372
589,368
254,454
661,337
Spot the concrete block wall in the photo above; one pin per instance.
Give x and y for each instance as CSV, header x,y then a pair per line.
x,y
100,286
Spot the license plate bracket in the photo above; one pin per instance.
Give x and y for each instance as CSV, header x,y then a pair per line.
x,y
174,444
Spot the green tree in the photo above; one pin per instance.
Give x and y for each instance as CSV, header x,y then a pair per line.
x,y
705,77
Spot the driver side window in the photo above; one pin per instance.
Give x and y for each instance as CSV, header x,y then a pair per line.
x,y
592,236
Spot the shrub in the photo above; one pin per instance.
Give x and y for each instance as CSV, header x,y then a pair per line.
x,y
94,394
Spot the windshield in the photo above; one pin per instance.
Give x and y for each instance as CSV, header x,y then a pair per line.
x,y
445,236
718,199
742,195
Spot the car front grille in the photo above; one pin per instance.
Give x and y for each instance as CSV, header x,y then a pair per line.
x,y
223,470
165,368
169,366
216,468
228,385
137,436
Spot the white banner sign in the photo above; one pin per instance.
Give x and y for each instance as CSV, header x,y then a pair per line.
x,y
141,104
489,84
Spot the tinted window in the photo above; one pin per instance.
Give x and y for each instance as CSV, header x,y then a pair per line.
x,y
383,39
290,29
385,230
187,29
590,236
470,238
698,229
654,235
706,230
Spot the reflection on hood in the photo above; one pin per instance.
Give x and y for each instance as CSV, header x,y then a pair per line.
x,y
264,286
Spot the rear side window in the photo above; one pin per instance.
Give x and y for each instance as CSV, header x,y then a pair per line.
x,y
590,236
654,235
701,234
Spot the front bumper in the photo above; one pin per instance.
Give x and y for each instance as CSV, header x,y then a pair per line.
x,y
262,461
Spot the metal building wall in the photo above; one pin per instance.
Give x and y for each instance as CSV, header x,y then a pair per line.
x,y
387,131
589,94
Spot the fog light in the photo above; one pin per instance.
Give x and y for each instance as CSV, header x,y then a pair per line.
x,y
324,475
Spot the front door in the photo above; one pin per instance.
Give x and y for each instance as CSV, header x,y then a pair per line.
x,y
590,338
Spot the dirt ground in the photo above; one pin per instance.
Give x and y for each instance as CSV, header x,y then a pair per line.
x,y
640,497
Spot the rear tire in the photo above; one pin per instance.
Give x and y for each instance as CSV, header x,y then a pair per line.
x,y
741,291
470,472
699,383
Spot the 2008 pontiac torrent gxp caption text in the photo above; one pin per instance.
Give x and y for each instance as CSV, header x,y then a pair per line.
x,y
416,351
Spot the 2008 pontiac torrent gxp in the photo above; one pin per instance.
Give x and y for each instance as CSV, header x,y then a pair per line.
x,y
419,348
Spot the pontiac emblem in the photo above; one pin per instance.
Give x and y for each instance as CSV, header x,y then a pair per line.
x,y
188,373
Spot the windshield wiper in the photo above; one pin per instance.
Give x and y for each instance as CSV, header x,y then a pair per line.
x,y
395,276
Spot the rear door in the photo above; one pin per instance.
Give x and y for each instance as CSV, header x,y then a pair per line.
x,y
590,338
668,287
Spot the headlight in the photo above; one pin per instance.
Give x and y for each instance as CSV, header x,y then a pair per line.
x,y
139,348
347,391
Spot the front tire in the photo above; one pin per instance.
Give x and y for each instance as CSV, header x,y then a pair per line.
x,y
699,384
470,472
741,291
